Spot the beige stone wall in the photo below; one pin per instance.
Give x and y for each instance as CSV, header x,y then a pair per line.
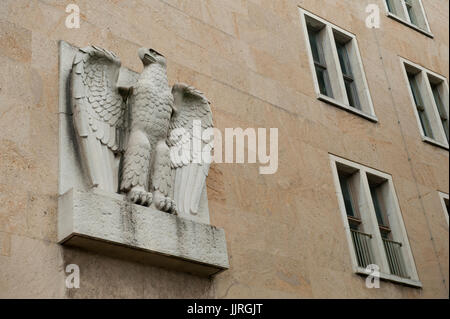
x,y
284,232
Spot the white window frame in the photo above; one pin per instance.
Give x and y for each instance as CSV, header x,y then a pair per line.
x,y
370,220
407,21
340,100
444,197
441,139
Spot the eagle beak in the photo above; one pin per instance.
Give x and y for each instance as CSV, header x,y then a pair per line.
x,y
145,56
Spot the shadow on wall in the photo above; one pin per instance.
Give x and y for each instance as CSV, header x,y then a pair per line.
x,y
105,277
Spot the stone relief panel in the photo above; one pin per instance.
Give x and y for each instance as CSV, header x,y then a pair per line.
x,y
124,133
126,140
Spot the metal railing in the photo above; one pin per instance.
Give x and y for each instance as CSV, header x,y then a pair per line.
x,y
395,258
361,241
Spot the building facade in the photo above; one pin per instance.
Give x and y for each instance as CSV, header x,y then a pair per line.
x,y
358,91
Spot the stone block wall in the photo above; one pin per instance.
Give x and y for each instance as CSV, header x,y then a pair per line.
x,y
284,232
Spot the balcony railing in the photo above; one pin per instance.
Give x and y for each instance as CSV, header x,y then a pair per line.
x,y
395,258
361,241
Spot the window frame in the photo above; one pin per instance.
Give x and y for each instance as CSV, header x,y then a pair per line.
x,y
407,20
372,223
335,74
441,140
444,197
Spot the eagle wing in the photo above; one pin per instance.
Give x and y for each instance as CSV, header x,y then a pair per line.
x,y
190,174
99,114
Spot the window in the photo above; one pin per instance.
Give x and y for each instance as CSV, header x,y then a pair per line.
x,y
410,13
373,222
444,201
336,65
429,95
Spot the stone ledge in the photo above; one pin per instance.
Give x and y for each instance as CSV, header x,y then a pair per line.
x,y
111,225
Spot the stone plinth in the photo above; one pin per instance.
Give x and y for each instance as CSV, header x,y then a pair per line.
x,y
111,225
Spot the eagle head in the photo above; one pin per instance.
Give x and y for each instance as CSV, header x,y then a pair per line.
x,y
149,56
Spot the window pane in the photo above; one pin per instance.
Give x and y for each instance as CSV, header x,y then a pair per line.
x,y
319,62
345,187
384,235
343,59
446,205
350,85
314,45
324,81
420,107
353,226
377,206
441,108
353,99
390,6
411,13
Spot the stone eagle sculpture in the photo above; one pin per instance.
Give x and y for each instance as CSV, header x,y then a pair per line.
x,y
124,134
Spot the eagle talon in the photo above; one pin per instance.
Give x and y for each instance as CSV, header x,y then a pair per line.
x,y
165,204
140,197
